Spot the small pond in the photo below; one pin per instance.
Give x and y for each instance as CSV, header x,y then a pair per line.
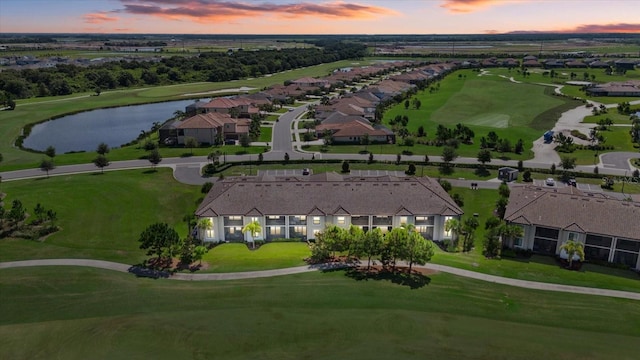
x,y
113,126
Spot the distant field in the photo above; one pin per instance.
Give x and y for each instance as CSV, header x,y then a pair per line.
x,y
485,103
78,313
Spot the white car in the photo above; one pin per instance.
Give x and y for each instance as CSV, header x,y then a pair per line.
x,y
550,182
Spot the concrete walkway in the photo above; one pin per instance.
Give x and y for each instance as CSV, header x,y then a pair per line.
x,y
107,265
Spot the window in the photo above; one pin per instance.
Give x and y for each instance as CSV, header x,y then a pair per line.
x,y
572,236
235,217
275,230
517,242
316,220
341,220
254,219
597,247
545,240
297,220
403,220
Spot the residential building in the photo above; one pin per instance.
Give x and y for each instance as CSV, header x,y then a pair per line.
x,y
300,207
608,228
209,128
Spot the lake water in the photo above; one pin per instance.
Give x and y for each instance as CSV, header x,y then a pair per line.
x,y
114,126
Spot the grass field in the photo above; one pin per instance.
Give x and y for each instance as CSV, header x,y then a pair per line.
x,y
235,257
101,216
75,313
484,103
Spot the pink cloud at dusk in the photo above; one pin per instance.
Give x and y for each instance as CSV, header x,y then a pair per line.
x,y
606,28
213,10
98,18
466,6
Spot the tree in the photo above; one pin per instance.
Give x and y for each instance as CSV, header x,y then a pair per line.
x,y
504,191
286,157
455,227
395,246
519,148
245,141
484,156
50,152
418,250
150,145
154,158
469,226
406,104
103,149
17,213
371,244
253,228
199,252
206,187
568,163
101,161
203,225
345,166
411,170
573,248
509,232
449,154
491,245
46,165
501,206
191,143
158,239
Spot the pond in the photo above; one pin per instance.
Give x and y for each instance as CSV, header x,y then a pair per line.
x,y
113,126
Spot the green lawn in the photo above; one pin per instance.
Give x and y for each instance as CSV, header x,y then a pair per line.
x,y
75,313
101,216
235,257
484,103
265,133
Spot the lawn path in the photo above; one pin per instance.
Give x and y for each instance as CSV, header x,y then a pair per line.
x,y
303,269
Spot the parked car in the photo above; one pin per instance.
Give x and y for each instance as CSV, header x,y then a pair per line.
x,y
550,182
306,171
572,182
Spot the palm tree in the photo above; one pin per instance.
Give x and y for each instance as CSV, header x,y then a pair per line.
x,y
254,229
573,248
454,226
204,224
510,232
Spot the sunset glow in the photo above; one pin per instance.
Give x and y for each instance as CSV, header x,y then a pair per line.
x,y
318,17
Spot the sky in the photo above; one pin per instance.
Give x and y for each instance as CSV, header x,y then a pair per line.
x,y
318,16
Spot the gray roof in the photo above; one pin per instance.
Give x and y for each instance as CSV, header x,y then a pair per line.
x,y
574,211
327,193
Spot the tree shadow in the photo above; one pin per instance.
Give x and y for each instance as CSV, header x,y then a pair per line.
x,y
399,276
482,172
185,155
150,171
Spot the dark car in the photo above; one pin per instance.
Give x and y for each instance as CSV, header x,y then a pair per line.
x,y
306,171
572,182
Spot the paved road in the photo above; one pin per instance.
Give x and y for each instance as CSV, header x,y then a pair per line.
x,y
303,269
618,160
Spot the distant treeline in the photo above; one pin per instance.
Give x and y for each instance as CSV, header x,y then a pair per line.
x,y
64,79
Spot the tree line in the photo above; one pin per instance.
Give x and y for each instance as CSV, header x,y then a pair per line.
x,y
401,243
65,79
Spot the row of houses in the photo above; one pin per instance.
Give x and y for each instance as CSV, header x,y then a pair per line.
x,y
352,117
629,88
227,118
532,61
301,206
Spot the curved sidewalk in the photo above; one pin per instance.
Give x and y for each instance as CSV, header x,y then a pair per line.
x,y
100,264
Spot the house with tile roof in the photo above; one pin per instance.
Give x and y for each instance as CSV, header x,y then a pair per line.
x,y
209,128
349,129
608,228
300,207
